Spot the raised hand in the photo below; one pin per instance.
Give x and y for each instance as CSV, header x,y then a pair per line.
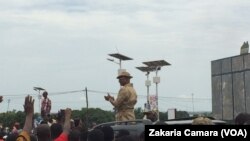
x,y
29,105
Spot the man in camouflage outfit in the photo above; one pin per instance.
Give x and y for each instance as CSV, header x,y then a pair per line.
x,y
126,99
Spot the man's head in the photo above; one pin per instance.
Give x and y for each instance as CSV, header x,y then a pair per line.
x,y
151,115
45,94
43,132
124,78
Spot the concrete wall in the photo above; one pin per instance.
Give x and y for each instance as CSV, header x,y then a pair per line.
x,y
230,86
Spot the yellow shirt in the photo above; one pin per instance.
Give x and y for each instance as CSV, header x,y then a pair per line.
x,y
126,99
23,136
125,102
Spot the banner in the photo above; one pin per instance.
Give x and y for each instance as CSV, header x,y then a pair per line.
x,y
152,102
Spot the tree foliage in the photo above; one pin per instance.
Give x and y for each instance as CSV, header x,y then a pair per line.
x,y
88,116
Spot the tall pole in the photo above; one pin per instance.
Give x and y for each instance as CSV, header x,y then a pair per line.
x,y
8,105
156,65
148,88
39,99
148,84
87,106
120,64
193,102
156,91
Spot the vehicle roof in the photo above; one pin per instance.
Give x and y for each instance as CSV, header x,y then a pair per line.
x,y
135,127
189,121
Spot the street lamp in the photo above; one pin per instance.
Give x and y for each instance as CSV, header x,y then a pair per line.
x,y
39,95
157,66
8,105
121,58
147,83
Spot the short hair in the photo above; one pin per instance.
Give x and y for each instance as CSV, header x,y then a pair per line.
x,y
241,118
56,130
43,131
96,135
11,137
45,92
74,135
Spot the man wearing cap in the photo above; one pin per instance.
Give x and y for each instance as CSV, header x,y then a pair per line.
x,y
126,99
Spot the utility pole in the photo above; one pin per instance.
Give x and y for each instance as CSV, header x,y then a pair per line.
x,y
193,102
8,105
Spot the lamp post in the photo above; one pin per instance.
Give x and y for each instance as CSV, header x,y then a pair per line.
x,y
8,105
147,84
39,95
121,58
157,66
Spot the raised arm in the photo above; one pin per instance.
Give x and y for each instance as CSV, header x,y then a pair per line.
x,y
29,111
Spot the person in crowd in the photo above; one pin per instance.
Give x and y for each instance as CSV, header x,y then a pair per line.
x,y
16,128
96,135
1,136
29,111
242,118
11,137
74,135
84,135
66,126
151,115
126,99
33,137
79,124
46,106
202,121
43,132
56,129
1,99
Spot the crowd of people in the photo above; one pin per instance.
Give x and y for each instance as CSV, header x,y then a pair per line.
x,y
67,129
64,128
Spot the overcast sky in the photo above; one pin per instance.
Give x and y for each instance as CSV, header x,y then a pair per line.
x,y
63,46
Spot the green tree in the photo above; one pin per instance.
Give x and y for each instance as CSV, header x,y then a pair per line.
x,y
138,113
182,114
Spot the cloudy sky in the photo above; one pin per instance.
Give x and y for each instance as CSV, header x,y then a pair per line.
x,y
63,46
